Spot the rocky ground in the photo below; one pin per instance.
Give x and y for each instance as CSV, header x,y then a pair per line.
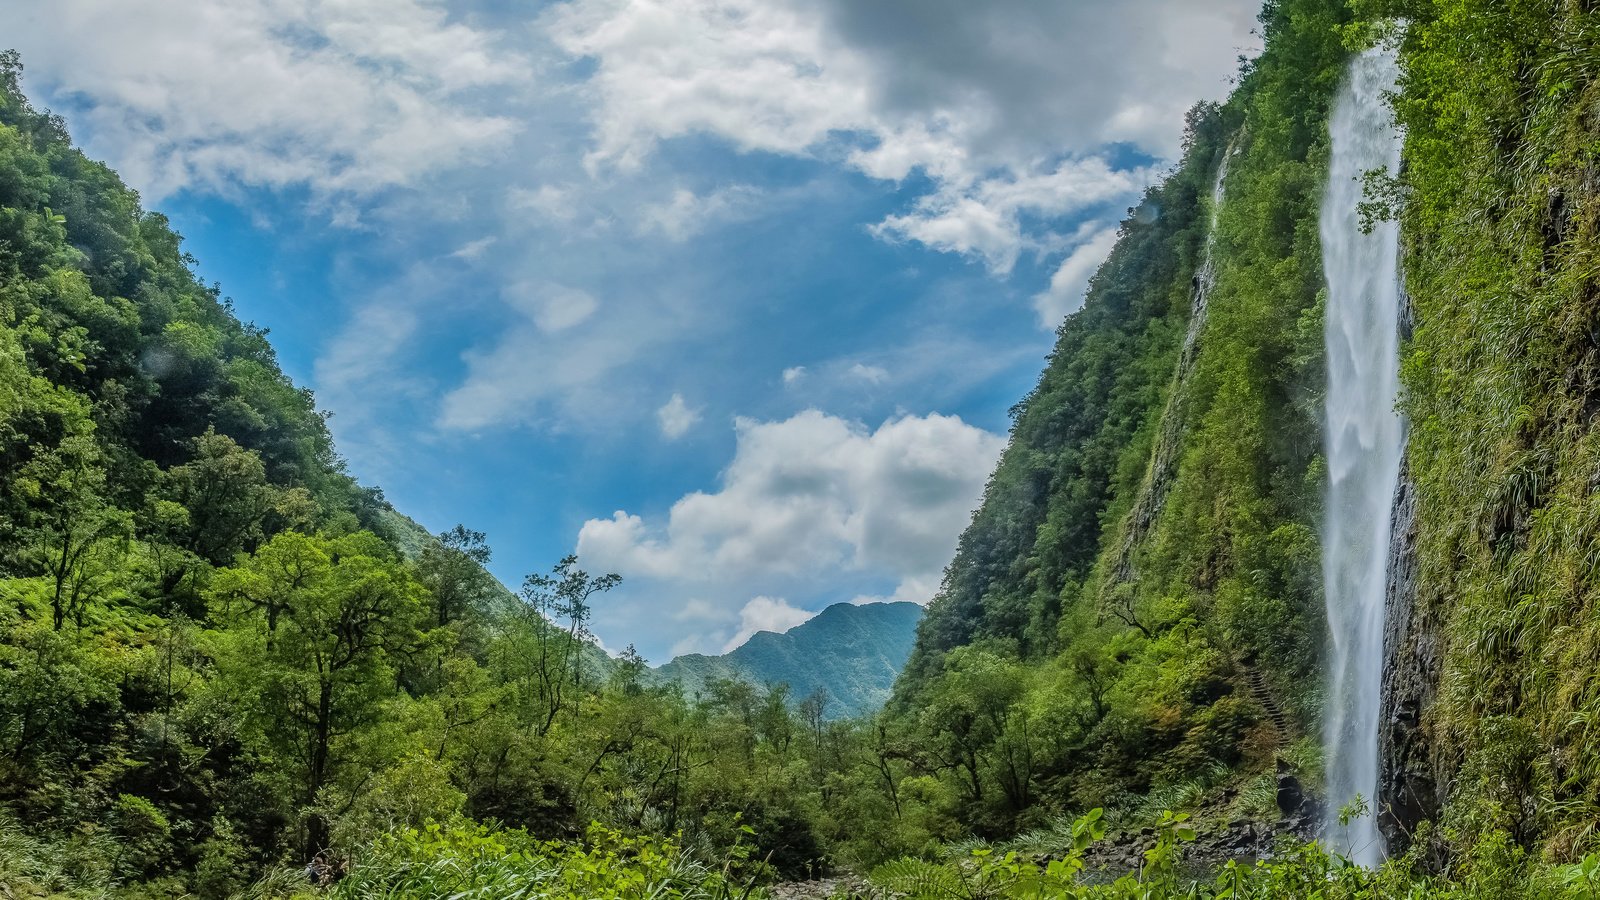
x,y
822,888
1243,840
1219,840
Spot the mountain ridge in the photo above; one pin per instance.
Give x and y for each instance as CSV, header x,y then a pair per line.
x,y
852,651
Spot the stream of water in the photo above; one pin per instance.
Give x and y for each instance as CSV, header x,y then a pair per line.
x,y
1363,440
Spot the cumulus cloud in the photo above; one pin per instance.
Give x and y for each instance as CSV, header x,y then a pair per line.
x,y
804,500
1071,279
764,75
793,375
912,590
766,614
676,418
354,96
986,220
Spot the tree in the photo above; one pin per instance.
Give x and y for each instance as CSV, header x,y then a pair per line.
x,y
563,594
452,568
76,536
324,619
225,490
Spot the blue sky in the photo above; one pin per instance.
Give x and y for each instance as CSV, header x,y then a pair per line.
x,y
727,296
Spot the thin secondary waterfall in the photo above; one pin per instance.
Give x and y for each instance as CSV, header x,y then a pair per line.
x,y
1363,440
1206,278
1164,460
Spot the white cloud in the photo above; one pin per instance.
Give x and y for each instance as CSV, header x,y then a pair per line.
x,y
983,99
353,96
986,219
1071,279
762,74
687,214
805,501
869,374
676,418
766,614
552,307
560,204
919,590
793,375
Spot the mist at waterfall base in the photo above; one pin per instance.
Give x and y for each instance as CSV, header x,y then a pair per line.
x,y
1363,439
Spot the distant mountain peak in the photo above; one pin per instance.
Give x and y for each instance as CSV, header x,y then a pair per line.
x,y
853,652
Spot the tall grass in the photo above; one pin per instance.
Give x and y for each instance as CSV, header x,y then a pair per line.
x,y
78,867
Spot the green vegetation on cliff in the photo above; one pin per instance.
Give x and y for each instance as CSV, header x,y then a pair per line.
x,y
1156,624
1501,222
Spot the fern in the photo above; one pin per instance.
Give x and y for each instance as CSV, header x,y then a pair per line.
x,y
915,879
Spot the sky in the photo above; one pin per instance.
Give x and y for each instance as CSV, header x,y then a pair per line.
x,y
729,297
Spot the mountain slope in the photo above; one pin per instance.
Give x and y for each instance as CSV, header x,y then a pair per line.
x,y
853,653
1141,583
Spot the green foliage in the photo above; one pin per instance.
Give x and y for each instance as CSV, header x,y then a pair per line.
x,y
1296,871
474,862
1500,378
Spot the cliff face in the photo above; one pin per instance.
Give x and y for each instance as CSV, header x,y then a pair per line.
x,y
1409,791
1493,637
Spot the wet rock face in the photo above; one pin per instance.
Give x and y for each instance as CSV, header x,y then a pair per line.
x,y
1293,801
1408,791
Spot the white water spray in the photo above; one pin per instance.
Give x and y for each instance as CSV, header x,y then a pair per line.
x,y
1363,440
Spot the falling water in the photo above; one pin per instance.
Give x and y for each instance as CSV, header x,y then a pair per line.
x,y
1363,439
1206,278
1164,460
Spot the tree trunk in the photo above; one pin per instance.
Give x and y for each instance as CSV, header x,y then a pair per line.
x,y
316,826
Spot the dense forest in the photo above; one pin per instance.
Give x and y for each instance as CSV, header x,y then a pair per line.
x,y
227,669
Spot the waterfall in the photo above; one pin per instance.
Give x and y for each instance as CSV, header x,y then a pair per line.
x,y
1206,278
1363,440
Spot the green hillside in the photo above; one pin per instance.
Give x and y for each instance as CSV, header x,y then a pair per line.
x,y
850,654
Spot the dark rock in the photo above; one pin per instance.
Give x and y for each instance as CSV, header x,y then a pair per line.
x,y
1409,790
1292,797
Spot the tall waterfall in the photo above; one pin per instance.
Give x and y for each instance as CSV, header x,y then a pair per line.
x,y
1364,437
